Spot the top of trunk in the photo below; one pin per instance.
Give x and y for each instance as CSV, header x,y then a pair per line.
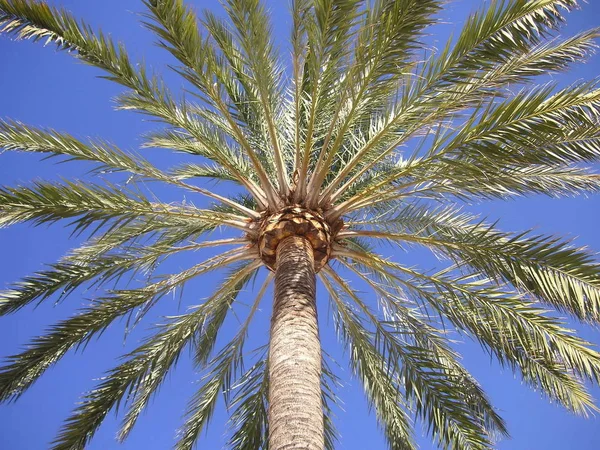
x,y
296,220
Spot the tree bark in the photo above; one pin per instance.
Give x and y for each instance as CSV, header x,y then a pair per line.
x,y
295,405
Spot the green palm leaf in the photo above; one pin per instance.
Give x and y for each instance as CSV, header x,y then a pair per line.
x,y
516,332
223,370
369,137
444,393
147,366
381,386
25,368
457,412
551,270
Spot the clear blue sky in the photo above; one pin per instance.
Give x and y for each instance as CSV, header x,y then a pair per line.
x,y
43,87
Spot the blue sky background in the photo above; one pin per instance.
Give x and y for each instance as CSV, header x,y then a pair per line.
x,y
43,87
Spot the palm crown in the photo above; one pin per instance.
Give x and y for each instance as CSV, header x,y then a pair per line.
x,y
324,152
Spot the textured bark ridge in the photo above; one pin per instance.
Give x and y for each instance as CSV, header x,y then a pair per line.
x,y
295,407
296,220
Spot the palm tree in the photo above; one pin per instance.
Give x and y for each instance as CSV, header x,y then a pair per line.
x,y
362,141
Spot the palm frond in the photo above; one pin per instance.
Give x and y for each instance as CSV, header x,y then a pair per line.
x,y
453,405
556,55
262,77
550,269
239,85
32,20
219,379
29,19
298,39
50,202
329,382
507,182
388,34
533,124
492,35
16,136
203,347
20,137
463,180
328,27
177,27
404,322
23,369
249,419
99,262
150,361
89,204
213,172
205,140
533,127
38,21
136,234
519,146
484,54
379,381
548,355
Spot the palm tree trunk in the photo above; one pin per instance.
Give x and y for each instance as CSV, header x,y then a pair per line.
x,y
295,406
